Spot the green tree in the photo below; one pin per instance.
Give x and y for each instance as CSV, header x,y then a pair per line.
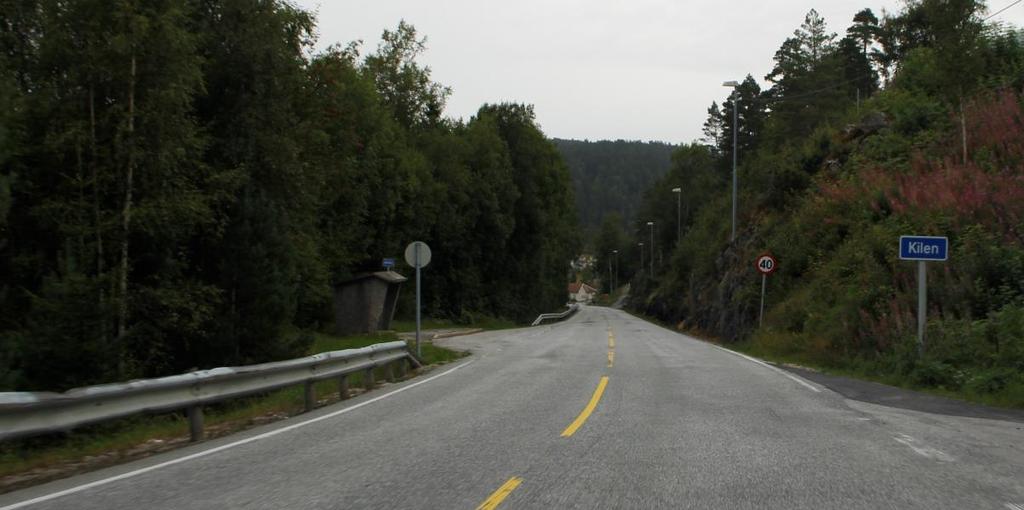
x,y
751,115
405,86
256,112
714,126
545,238
864,30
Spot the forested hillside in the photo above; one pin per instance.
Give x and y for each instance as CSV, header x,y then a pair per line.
x,y
183,182
612,176
909,124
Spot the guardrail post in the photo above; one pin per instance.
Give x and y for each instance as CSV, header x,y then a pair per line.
x,y
310,395
402,367
195,423
343,387
391,372
368,379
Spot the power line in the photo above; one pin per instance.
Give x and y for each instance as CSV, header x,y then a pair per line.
x,y
1000,11
813,92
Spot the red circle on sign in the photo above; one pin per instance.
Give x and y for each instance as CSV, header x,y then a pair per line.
x,y
766,264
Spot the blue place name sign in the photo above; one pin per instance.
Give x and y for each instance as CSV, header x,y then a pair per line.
x,y
924,248
389,263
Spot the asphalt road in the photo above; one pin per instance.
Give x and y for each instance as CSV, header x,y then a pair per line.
x,y
678,423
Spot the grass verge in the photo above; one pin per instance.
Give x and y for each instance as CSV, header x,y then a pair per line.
x,y
1011,397
481,322
35,460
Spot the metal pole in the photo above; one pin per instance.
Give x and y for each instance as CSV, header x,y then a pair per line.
x,y
419,353
652,248
615,280
922,303
679,217
611,284
735,129
641,259
760,318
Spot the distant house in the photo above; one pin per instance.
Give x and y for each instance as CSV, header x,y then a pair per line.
x,y
581,292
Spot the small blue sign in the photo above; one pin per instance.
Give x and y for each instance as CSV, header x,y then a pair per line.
x,y
924,248
389,263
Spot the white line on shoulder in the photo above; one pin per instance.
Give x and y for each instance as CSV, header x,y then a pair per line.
x,y
759,362
922,449
211,451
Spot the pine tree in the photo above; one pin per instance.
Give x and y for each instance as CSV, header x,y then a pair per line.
x,y
714,126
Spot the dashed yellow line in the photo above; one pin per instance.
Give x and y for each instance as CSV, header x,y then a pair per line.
x,y
582,418
611,348
499,495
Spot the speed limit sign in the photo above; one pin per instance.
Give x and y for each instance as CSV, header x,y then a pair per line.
x,y
766,264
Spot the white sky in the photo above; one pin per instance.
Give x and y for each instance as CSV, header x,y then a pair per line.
x,y
596,69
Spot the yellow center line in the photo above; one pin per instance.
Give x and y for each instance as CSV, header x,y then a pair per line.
x,y
582,418
499,495
611,348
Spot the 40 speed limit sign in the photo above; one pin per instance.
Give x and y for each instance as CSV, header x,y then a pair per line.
x,y
766,264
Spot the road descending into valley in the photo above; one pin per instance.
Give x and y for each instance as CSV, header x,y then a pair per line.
x,y
601,411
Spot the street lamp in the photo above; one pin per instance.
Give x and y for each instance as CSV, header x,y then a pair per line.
x,y
735,107
679,213
651,224
611,285
615,275
641,245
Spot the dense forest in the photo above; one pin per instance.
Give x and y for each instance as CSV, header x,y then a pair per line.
x,y
183,181
612,176
908,124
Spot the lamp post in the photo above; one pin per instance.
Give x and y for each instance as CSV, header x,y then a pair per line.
x,y
641,245
615,275
679,213
611,285
651,224
735,107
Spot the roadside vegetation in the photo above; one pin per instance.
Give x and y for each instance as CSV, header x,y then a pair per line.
x,y
910,124
183,183
472,321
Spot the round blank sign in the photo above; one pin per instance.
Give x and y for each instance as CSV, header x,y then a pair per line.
x,y
410,253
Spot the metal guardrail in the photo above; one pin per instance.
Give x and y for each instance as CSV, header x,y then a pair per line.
x,y
30,413
557,316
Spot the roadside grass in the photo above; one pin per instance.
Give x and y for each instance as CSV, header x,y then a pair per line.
x,y
1011,397
480,321
33,460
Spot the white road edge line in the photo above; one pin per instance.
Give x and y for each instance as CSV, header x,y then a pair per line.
x,y
923,450
759,362
1012,506
221,448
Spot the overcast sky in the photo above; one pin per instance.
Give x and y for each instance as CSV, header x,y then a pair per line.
x,y
596,69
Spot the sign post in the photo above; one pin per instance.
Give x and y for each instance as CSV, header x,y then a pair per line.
x,y
922,249
766,265
417,254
